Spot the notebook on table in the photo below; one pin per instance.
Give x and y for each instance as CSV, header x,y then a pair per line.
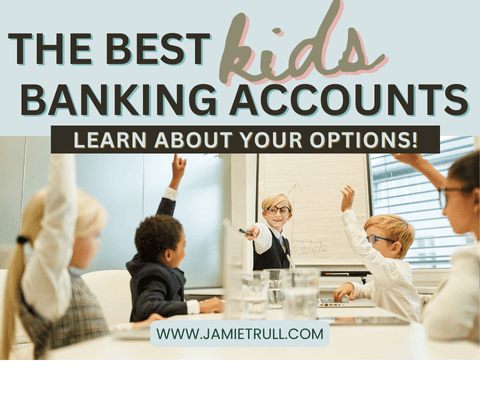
x,y
328,302
134,334
365,320
144,332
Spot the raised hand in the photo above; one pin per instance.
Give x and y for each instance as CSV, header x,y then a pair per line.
x,y
411,159
347,200
178,169
422,165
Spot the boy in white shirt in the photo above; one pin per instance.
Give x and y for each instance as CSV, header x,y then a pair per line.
x,y
271,248
381,246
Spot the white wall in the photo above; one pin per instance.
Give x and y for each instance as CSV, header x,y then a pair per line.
x,y
243,196
130,187
12,152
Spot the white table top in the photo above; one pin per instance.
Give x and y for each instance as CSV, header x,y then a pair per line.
x,y
206,292
346,343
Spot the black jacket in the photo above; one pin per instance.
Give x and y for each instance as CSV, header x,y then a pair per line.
x,y
156,288
274,257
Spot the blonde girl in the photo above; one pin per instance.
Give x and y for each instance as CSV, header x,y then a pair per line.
x,y
61,224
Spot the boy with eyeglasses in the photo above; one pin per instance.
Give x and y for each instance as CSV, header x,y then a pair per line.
x,y
381,246
271,249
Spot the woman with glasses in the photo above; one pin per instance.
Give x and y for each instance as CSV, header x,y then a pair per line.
x,y
453,311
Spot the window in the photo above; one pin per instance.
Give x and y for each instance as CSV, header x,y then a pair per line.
x,y
399,189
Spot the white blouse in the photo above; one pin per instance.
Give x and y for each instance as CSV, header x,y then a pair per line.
x,y
453,311
46,283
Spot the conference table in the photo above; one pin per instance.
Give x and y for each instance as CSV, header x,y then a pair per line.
x,y
364,342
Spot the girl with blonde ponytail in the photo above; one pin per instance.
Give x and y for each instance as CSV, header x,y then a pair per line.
x,y
61,223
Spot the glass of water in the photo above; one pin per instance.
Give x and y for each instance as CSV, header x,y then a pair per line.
x,y
300,289
275,287
254,295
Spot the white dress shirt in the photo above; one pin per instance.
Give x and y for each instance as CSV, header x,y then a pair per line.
x,y
392,286
453,311
264,240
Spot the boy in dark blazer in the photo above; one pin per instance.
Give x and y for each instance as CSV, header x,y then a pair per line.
x,y
157,283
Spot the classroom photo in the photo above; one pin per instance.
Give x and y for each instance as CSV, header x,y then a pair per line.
x,y
381,249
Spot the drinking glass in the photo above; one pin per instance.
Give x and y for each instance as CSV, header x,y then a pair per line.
x,y
300,289
254,295
275,287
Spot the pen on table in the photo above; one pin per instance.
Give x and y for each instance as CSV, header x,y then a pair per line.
x,y
337,273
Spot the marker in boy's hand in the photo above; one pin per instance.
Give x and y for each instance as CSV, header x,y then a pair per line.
x,y
254,232
348,196
178,169
211,305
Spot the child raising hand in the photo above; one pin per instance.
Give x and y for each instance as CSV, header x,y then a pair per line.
x,y
381,245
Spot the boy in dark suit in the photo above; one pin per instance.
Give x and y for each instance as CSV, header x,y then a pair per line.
x,y
157,282
271,249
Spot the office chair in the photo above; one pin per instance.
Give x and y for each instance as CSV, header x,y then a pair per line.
x,y
112,289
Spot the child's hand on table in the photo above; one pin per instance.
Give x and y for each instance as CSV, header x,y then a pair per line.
x,y
211,305
148,321
346,289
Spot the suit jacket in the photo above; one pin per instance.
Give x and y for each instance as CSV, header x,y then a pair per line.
x,y
155,287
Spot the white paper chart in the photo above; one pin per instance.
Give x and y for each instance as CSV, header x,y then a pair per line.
x,y
312,183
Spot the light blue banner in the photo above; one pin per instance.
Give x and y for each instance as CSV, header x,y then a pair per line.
x,y
240,333
390,63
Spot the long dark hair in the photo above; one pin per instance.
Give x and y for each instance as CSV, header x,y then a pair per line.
x,y
467,170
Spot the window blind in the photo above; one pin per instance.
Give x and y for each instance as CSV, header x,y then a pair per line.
x,y
397,188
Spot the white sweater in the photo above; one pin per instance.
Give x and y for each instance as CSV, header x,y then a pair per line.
x,y
453,311
46,283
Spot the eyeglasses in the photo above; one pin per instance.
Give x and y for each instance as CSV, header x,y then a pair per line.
x,y
443,197
273,210
373,238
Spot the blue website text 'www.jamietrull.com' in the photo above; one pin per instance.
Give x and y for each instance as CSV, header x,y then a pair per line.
x,y
239,333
